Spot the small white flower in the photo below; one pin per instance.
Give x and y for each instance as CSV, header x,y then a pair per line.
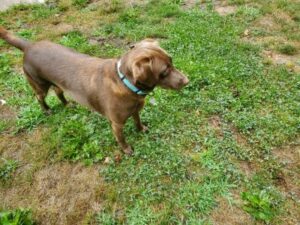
x,y
153,101
2,102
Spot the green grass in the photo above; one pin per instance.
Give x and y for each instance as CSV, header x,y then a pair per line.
x,y
16,217
287,49
183,165
7,168
80,3
263,205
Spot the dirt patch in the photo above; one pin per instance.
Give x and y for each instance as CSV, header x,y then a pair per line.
x,y
289,184
289,156
225,10
230,214
265,40
220,6
240,139
281,16
7,117
216,123
291,61
292,214
11,147
247,168
25,148
62,193
267,23
188,4
62,28
6,113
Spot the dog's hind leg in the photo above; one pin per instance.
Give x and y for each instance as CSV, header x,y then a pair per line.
x,y
40,88
60,94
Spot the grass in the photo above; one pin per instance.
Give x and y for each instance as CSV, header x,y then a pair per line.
x,y
185,162
263,205
80,3
7,168
287,49
16,217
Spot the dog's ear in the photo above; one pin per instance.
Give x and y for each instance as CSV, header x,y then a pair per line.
x,y
142,69
148,42
151,41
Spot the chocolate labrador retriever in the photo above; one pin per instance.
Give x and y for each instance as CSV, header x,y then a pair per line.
x,y
115,87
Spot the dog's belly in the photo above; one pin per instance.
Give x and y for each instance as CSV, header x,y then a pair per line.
x,y
82,100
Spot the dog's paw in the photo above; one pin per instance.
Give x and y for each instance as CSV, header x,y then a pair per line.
x,y
143,129
48,112
128,151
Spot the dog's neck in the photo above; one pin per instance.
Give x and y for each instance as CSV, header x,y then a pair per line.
x,y
126,76
125,70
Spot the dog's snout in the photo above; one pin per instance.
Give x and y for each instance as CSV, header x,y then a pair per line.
x,y
185,81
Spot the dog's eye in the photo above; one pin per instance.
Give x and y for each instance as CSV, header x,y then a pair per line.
x,y
164,74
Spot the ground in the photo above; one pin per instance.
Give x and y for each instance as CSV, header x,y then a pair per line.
x,y
224,150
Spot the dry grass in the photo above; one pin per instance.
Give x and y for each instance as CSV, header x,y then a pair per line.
x,y
230,213
61,193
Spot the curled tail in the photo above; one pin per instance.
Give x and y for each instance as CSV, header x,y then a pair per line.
x,y
13,40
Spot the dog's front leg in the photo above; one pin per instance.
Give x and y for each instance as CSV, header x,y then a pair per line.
x,y
138,122
118,132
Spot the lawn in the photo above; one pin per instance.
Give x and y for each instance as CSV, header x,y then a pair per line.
x,y
223,150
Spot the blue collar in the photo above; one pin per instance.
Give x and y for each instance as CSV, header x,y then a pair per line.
x,y
128,83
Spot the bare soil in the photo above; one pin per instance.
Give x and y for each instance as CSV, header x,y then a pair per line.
x,y
289,156
220,6
289,180
292,62
225,10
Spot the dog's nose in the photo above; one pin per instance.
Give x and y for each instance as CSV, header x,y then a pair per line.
x,y
185,81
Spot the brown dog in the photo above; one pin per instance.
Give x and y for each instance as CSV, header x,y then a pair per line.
x,y
115,88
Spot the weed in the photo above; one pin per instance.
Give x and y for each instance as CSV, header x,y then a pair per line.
x,y
287,49
7,168
3,125
262,205
17,216
112,6
80,3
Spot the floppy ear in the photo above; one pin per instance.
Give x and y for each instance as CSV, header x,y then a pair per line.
x,y
142,69
151,41
148,42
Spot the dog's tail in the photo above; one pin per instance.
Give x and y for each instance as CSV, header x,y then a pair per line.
x,y
13,40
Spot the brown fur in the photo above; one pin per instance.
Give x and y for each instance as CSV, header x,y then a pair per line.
x,y
94,82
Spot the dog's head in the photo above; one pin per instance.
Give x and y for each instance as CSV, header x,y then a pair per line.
x,y
151,66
